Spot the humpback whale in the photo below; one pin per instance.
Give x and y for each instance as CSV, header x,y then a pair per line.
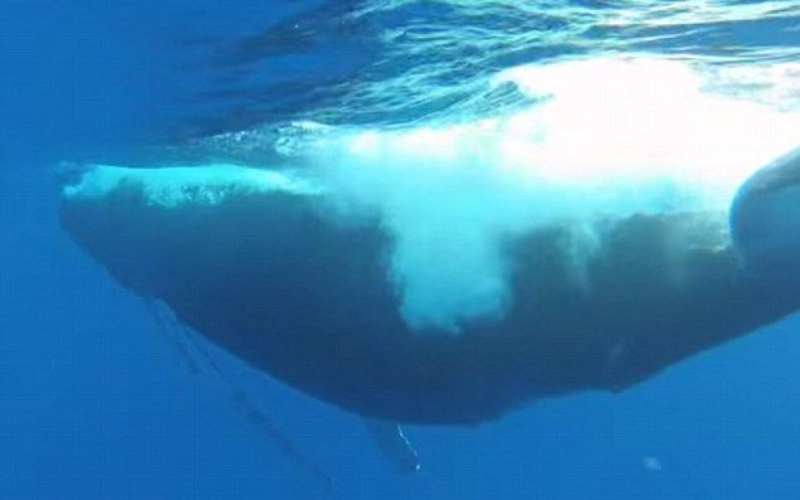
x,y
250,259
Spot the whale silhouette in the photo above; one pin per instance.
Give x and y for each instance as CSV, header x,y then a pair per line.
x,y
248,258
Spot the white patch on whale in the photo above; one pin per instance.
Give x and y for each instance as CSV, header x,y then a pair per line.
x,y
175,186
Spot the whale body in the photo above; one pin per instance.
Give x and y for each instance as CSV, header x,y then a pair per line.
x,y
250,259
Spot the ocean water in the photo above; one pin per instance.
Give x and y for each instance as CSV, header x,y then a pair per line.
x,y
685,98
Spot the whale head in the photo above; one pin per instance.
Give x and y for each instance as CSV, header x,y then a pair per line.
x,y
765,218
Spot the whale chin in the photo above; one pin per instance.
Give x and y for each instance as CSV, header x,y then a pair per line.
x,y
765,218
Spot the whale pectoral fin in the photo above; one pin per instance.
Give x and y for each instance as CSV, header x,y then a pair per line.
x,y
394,445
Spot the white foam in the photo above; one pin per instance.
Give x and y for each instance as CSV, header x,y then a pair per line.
x,y
175,186
613,137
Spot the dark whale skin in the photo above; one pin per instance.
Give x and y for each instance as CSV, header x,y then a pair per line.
x,y
270,278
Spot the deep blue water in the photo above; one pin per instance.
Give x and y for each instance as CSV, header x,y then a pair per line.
x,y
96,404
